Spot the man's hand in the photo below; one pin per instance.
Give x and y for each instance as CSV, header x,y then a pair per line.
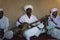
x,y
24,23
20,26
23,26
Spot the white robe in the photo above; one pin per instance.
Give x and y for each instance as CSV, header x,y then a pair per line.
x,y
4,24
33,31
51,27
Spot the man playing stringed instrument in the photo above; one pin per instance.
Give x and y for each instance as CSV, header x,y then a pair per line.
x,y
32,29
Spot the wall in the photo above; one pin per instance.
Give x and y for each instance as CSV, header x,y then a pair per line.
x,y
0,3
13,9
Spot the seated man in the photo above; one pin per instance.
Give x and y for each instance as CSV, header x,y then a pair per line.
x,y
54,24
29,18
4,24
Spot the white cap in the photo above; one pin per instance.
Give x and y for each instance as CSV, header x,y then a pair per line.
x,y
53,10
28,6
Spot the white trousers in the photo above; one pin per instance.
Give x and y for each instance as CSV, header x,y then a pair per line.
x,y
31,32
54,33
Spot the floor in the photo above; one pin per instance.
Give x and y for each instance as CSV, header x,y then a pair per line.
x,y
41,37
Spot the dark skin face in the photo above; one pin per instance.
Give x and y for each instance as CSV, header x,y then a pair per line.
x,y
1,14
55,14
29,11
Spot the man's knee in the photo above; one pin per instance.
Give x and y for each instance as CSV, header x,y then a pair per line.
x,y
9,34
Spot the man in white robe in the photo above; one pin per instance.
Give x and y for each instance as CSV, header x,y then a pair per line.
x,y
54,24
4,24
29,18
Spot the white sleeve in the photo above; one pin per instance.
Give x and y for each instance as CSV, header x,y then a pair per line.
x,y
19,21
58,22
50,25
58,25
35,19
6,25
